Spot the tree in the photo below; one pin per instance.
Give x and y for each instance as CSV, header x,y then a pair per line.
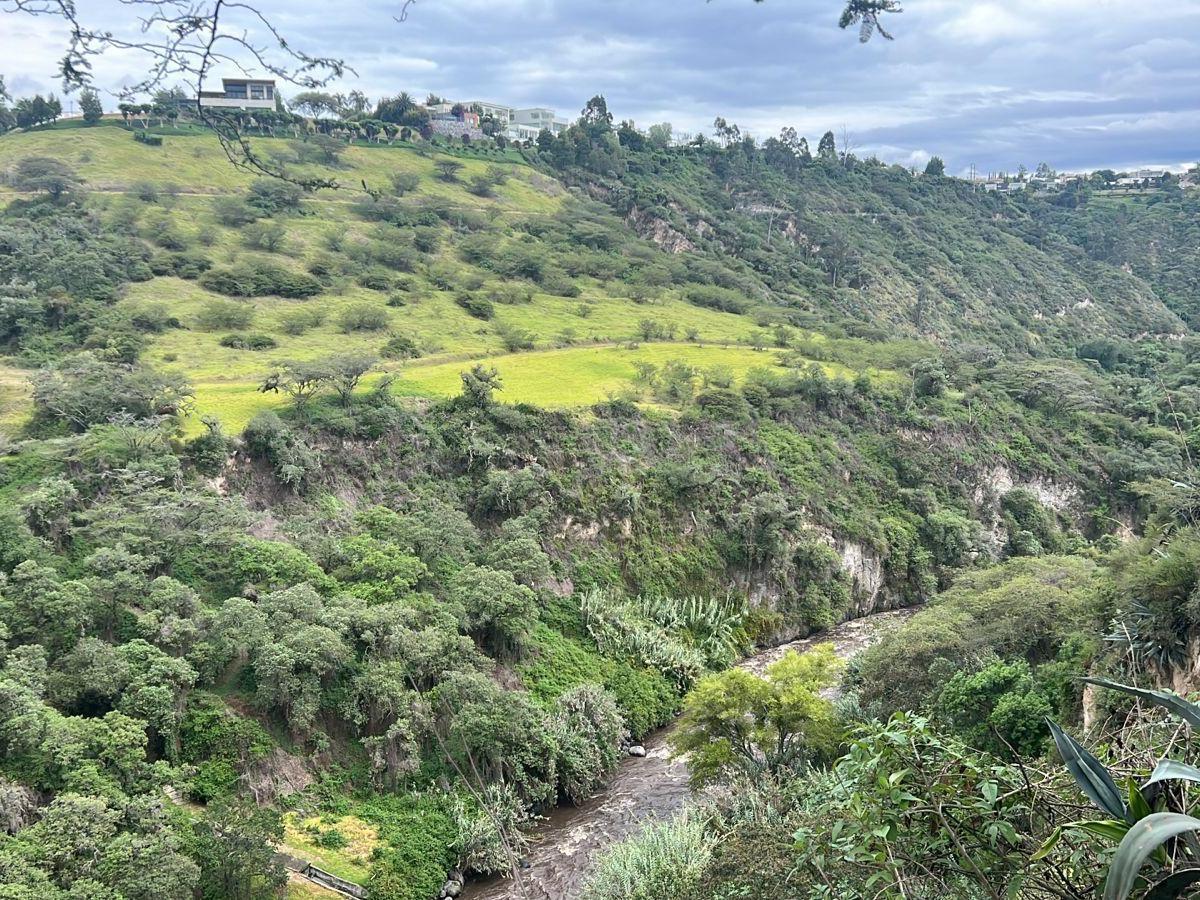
x,y
595,113
659,135
315,104
300,380
85,390
495,608
346,372
735,722
802,151
935,167
478,386
90,105
865,14
233,844
42,174
448,169
394,109
827,148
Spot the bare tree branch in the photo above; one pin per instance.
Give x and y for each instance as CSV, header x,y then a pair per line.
x,y
184,41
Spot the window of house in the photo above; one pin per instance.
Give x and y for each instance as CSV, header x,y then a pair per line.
x,y
270,92
256,92
235,91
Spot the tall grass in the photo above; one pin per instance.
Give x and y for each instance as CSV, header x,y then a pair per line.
x,y
663,862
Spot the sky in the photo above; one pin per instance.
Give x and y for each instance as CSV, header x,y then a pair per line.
x,y
1080,84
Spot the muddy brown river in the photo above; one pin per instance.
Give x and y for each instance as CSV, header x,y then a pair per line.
x,y
648,789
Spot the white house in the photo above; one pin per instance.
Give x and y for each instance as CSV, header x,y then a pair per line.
x,y
537,118
504,115
241,93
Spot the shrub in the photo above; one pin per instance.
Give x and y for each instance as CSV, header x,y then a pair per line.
x,y
272,195
589,732
269,236
513,338
182,265
363,317
217,314
249,342
234,212
487,839
404,183
146,191
559,284
292,460
419,834
662,862
510,294
713,297
376,278
481,186
737,724
394,255
475,305
298,321
400,346
259,279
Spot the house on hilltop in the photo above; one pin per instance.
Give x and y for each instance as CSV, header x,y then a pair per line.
x,y
241,93
537,118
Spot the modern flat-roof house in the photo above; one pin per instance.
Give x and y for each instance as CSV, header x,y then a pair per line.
x,y
242,93
539,117
498,111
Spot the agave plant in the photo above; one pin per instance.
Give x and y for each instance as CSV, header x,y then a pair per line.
x,y
1141,817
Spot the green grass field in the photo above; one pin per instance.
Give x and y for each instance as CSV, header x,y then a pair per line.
x,y
579,354
351,861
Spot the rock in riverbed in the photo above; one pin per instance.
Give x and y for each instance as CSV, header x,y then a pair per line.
x,y
454,885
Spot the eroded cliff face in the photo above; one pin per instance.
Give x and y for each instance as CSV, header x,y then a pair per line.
x,y
996,481
871,585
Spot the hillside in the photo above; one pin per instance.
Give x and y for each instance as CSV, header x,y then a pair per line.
x,y
368,525
872,252
588,286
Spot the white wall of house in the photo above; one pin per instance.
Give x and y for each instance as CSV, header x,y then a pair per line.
x,y
229,103
242,93
502,114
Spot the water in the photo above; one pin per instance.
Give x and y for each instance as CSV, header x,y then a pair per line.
x,y
643,790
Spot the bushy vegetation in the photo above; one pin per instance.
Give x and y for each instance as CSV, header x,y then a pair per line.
x,y
442,614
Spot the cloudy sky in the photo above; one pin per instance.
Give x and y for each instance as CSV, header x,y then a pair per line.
x,y
994,83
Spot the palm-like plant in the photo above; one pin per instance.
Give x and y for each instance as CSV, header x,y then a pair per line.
x,y
1145,818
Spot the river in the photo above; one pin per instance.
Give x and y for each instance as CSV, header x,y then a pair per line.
x,y
644,789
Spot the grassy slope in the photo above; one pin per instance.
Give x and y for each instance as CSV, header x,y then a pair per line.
x,y
987,270
189,168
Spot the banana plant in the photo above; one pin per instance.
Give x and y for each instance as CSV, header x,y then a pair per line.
x,y
1140,830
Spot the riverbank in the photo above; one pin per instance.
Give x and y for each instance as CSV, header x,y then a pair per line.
x,y
644,789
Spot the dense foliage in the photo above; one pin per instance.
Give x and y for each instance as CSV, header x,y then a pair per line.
x,y
437,617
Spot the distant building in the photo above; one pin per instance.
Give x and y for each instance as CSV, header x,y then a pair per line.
x,y
504,115
241,93
538,118
515,124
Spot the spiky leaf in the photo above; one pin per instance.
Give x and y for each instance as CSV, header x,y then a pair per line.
x,y
1090,774
1169,770
1173,885
1143,839
1169,701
